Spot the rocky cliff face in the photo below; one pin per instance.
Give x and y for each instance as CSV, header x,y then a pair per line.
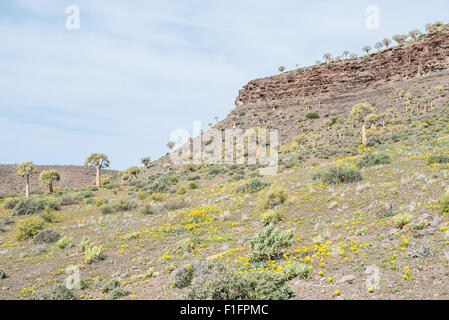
x,y
424,57
332,89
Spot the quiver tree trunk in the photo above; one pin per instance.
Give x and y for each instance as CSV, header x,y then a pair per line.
x,y
98,178
27,187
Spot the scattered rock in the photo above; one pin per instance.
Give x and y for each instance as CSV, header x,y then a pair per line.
x,y
348,278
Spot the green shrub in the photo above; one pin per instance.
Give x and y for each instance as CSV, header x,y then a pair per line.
x,y
48,215
157,196
64,242
401,220
28,206
272,216
66,200
84,244
161,184
444,204
101,202
188,244
439,159
312,115
222,284
94,254
118,293
337,175
372,159
46,236
182,189
182,277
29,227
80,196
273,196
193,185
124,205
142,195
114,290
268,243
297,270
147,209
55,292
11,204
106,209
132,236
253,186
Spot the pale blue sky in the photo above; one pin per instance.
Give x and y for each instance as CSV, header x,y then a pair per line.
x,y
138,69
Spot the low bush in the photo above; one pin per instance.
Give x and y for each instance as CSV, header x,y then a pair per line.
x,y
312,115
401,220
297,270
142,195
114,290
46,236
29,227
55,292
124,205
253,186
182,189
157,196
273,216
269,242
48,215
147,209
444,203
28,206
106,209
64,242
337,175
373,159
11,204
273,196
222,284
182,277
67,200
101,202
94,254
82,195
438,159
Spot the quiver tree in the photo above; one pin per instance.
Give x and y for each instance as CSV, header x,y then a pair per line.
x,y
379,45
414,34
25,170
170,145
327,57
281,69
47,178
98,161
367,49
146,162
386,42
133,171
357,116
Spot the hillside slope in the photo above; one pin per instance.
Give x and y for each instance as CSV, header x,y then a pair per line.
x,y
338,221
